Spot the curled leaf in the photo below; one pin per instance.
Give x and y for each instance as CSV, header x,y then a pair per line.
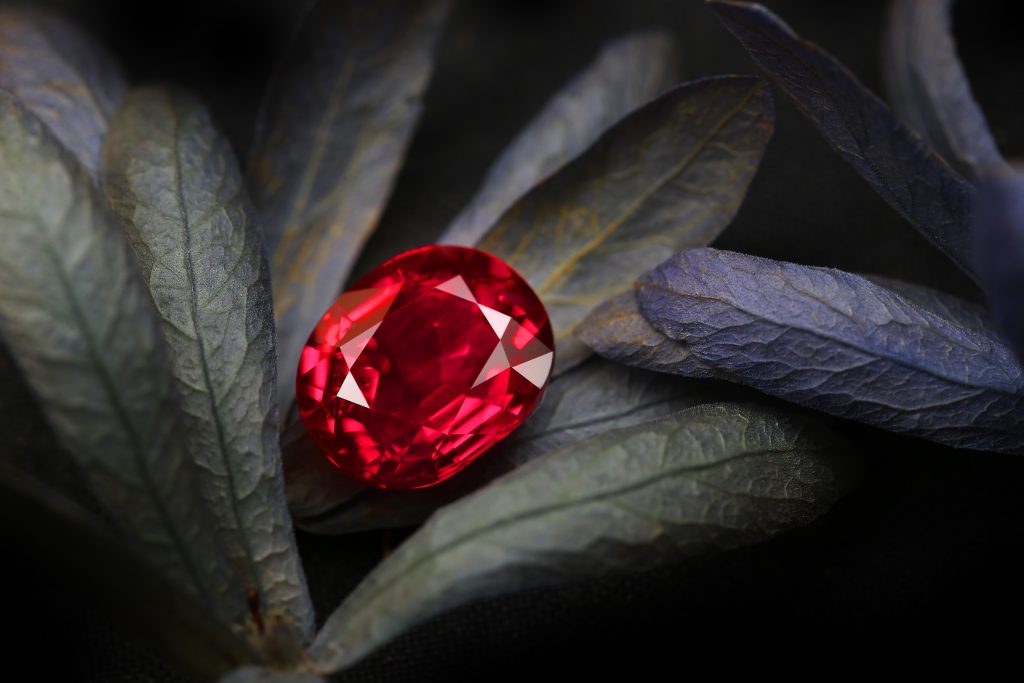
x,y
929,89
589,399
175,182
999,226
668,176
894,160
704,479
626,74
77,318
62,76
336,122
616,330
842,344
119,581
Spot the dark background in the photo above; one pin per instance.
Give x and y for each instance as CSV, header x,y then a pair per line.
x,y
917,573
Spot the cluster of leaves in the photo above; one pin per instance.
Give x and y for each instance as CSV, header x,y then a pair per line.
x,y
893,355
156,312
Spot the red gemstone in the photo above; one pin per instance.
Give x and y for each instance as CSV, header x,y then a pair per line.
x,y
422,365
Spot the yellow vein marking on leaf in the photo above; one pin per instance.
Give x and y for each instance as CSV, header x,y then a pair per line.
x,y
293,225
635,206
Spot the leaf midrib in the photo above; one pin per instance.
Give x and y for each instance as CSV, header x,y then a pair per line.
x,y
134,438
195,309
529,515
591,421
873,353
940,238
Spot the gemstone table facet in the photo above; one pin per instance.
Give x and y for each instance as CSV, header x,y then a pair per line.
x,y
423,364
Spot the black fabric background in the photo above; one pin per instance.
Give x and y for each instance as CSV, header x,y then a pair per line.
x,y
915,574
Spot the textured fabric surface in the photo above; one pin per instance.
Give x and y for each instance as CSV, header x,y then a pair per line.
x,y
913,574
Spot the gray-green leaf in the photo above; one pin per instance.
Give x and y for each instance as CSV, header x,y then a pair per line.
x,y
670,175
62,76
708,478
176,184
592,398
336,124
626,74
79,322
929,89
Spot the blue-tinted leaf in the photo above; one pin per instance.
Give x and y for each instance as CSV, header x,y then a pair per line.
x,y
839,343
62,76
999,226
616,330
911,178
628,72
965,313
929,89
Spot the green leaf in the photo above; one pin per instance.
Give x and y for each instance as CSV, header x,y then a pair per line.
x,y
626,74
336,124
595,397
708,478
616,330
114,578
176,184
669,176
592,398
62,76
77,319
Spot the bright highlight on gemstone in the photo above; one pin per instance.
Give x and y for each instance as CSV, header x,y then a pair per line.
x,y
422,365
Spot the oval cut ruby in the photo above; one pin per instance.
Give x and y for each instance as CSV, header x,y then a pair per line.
x,y
423,364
